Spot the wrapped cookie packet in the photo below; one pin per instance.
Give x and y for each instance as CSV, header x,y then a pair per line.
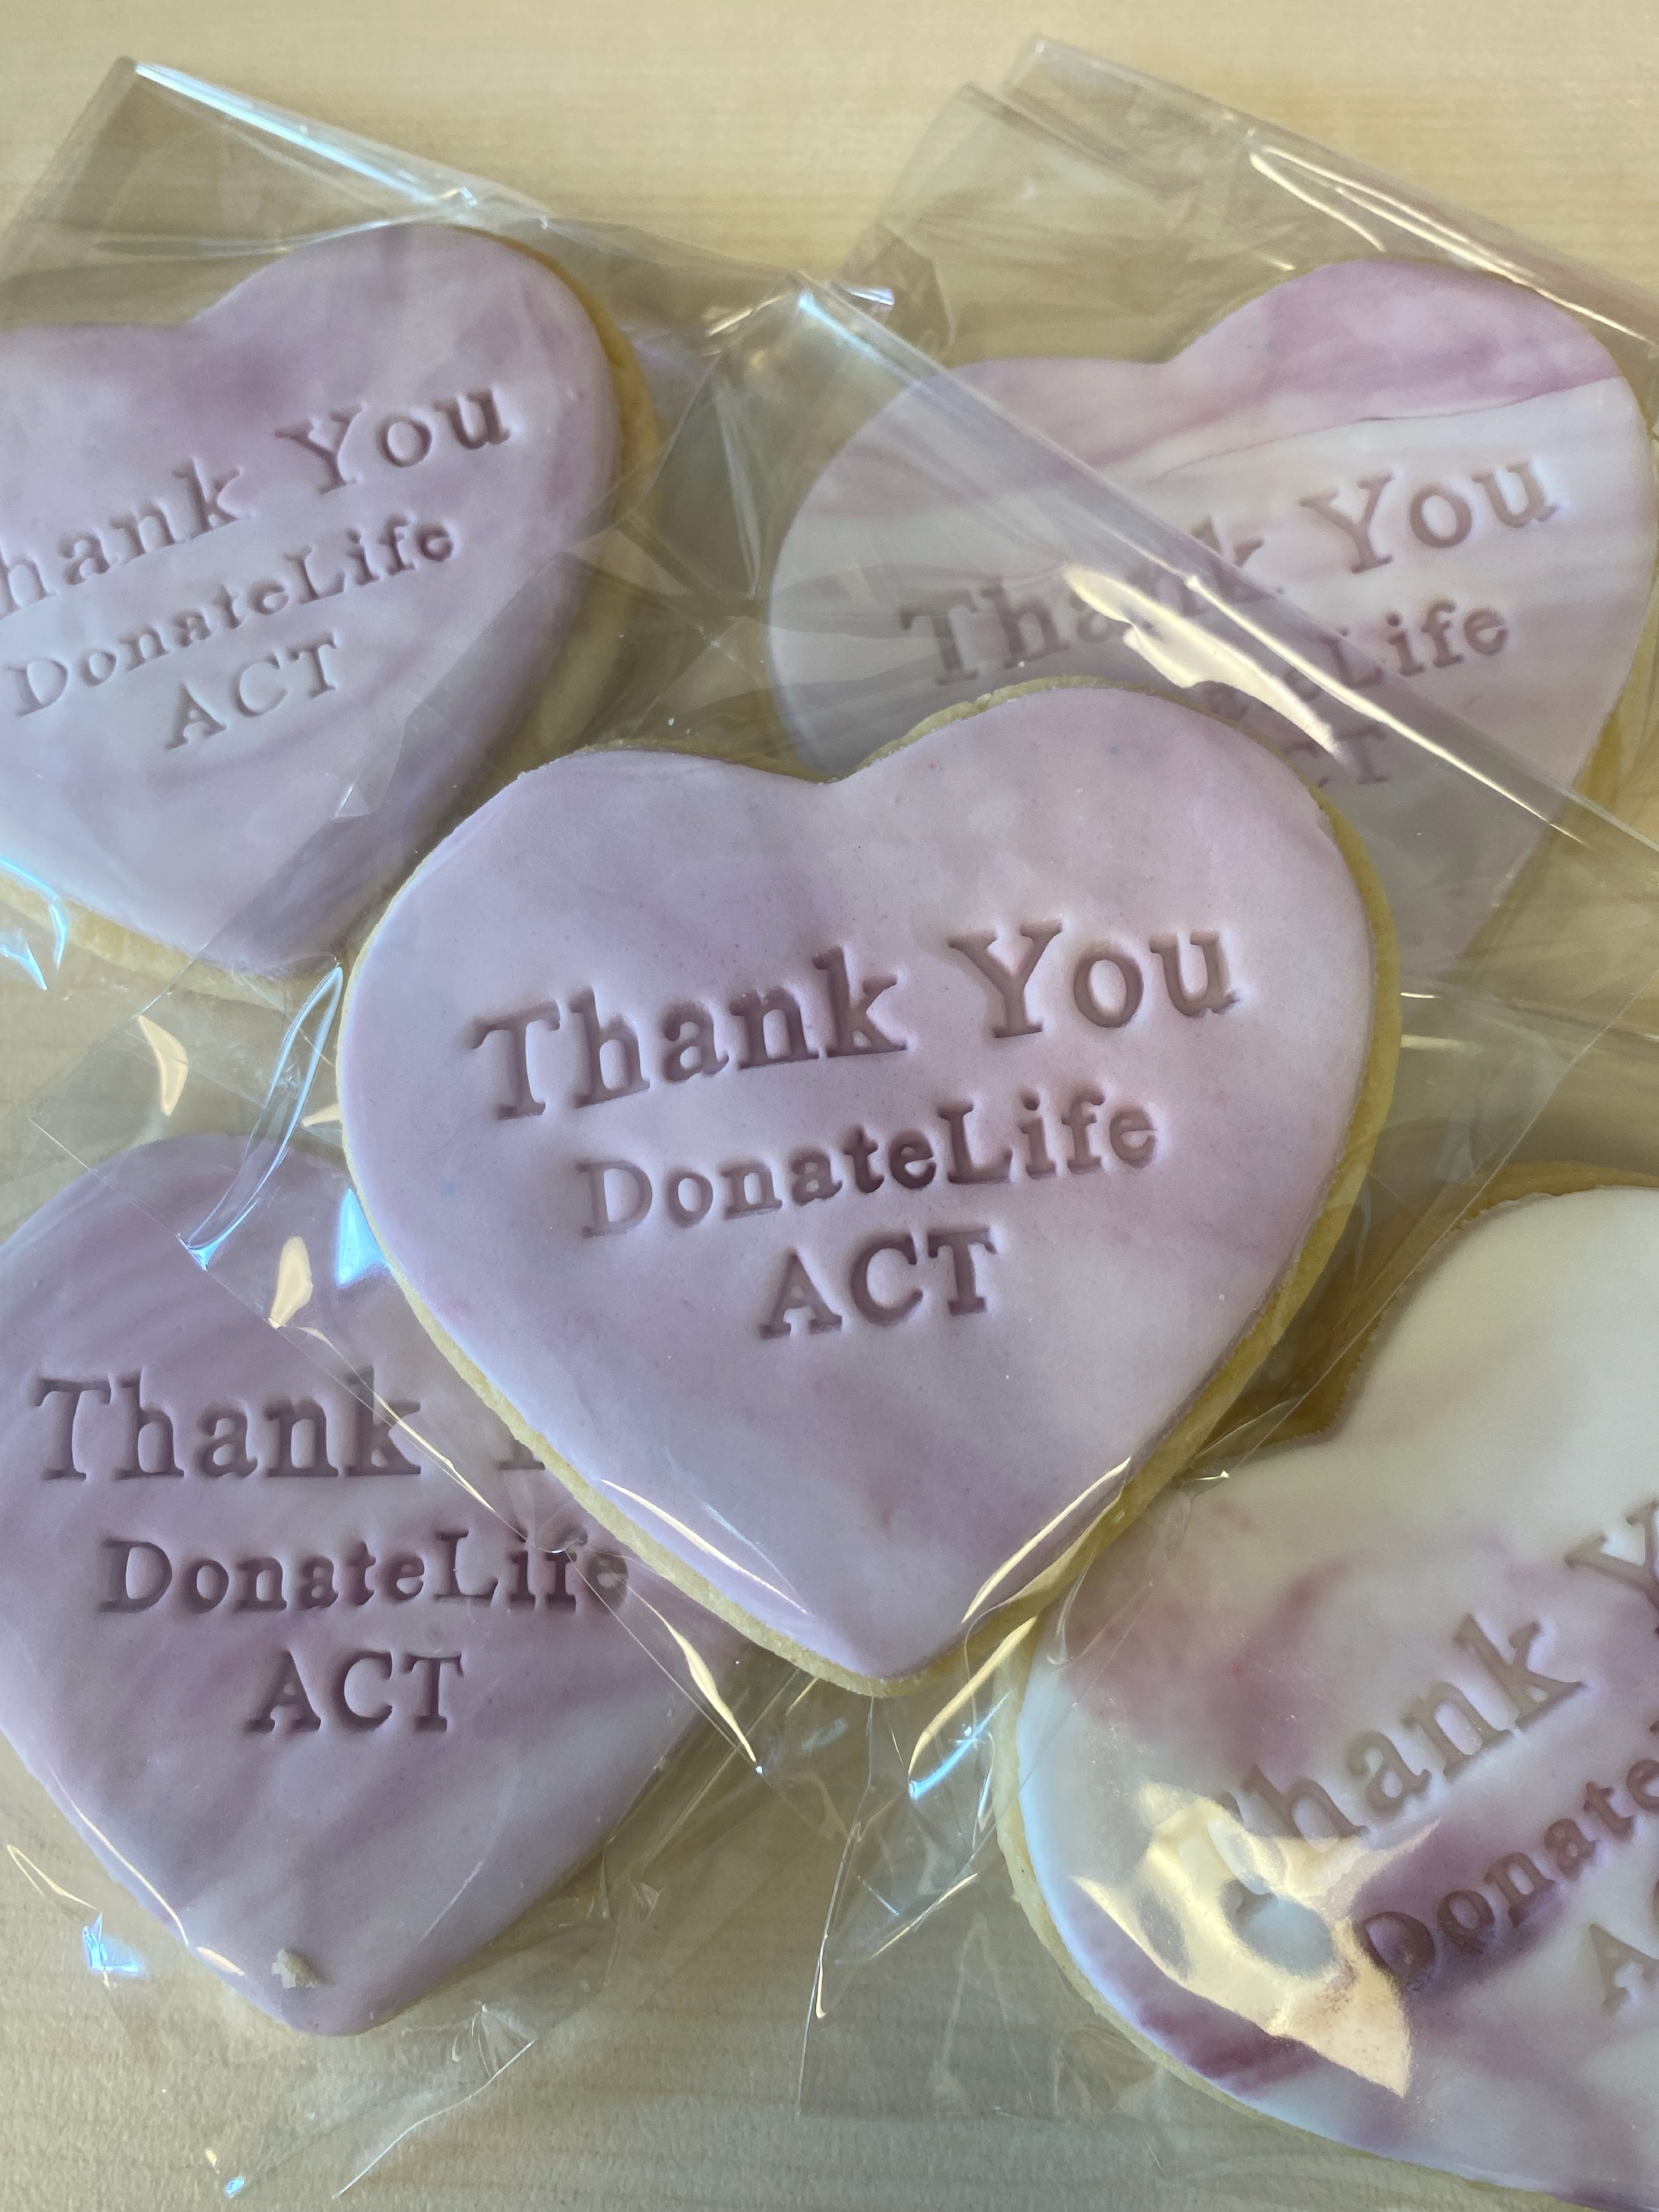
x,y
744,1210
1324,1787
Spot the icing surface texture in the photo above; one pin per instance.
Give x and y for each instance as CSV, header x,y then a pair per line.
x,y
1447,470
1360,1819
272,580
335,1716
852,1182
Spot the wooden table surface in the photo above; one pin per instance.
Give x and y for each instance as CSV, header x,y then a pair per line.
x,y
772,130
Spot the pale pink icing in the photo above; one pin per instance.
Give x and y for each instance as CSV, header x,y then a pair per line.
x,y
1497,458
1505,1422
378,1857
867,1490
481,412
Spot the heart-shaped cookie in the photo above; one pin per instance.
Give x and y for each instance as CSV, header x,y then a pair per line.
x,y
1358,1818
1447,470
335,1716
854,1185
274,581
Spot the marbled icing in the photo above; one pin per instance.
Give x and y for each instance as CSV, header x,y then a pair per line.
x,y
1506,1421
206,772
374,1858
863,1489
1478,413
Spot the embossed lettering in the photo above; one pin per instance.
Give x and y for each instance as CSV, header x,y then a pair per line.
x,y
602,1222
852,1032
452,1539
430,1718
1466,1918
683,1210
861,1148
84,557
749,1189
1569,1847
1358,535
1019,644
350,1716
313,1583
964,1168
811,1174
1535,506
1286,1805
30,699
288,1417
799,1293
688,1031
1008,985
193,720
520,1100
313,437
1217,994
752,1009
616,1036
1598,1803
355,1565
259,1586
1519,1882
286,1694
491,431
883,1313
1436,618
1389,1778
224,1450
120,1595
20,567
1078,1119
1037,1162
1459,516
1533,1695
1401,1946
373,1450
402,1576
1643,1575
910,1160
1132,1136
403,439
145,1421
200,1595
1425,1718
961,1244
936,613
1131,987
207,497
1614,1957
63,1467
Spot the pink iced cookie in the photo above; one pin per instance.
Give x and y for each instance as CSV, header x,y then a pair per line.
x,y
332,1713
1447,470
244,561
855,1184
1358,1820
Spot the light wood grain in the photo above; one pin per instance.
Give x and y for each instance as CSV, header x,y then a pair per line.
x,y
771,130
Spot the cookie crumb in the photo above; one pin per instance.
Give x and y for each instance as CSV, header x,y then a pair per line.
x,y
295,1972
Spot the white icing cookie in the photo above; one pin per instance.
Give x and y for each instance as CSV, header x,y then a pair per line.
x,y
1448,471
1360,1820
